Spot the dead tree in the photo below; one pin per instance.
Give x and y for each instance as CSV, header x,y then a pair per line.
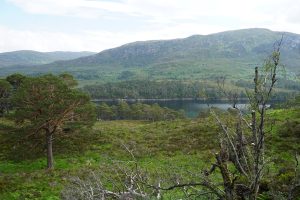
x,y
241,159
231,95
125,182
95,187
243,144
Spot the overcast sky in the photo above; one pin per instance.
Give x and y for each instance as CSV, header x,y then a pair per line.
x,y
95,25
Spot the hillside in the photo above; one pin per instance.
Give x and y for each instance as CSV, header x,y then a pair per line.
x,y
181,146
27,57
230,53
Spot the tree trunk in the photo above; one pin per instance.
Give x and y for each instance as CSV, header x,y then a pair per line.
x,y
49,150
227,182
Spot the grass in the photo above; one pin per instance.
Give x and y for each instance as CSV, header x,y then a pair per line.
x,y
156,146
182,146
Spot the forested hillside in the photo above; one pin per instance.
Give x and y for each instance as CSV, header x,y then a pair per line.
x,y
145,89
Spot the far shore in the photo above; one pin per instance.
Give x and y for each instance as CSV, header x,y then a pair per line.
x,y
242,100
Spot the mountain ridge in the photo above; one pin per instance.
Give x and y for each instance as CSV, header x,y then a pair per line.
x,y
30,57
195,57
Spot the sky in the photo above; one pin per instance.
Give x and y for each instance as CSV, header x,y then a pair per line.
x,y
95,25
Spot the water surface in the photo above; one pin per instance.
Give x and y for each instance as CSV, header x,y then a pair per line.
x,y
191,107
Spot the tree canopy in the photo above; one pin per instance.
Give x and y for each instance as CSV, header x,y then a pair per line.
x,y
4,95
48,104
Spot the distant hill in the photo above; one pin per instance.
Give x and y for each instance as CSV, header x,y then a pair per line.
x,y
27,57
230,53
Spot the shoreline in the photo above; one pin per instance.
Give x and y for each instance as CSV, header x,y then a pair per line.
x,y
168,99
